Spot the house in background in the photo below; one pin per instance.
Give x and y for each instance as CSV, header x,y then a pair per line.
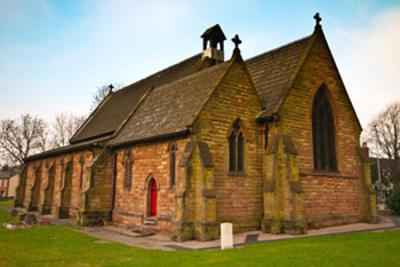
x,y
384,178
9,180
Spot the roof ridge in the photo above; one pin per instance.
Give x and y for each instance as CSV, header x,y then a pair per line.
x,y
157,73
197,73
279,48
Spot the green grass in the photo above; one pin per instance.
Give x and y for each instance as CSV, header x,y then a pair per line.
x,y
7,203
64,246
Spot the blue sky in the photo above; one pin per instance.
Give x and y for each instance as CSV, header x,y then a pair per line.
x,y
54,54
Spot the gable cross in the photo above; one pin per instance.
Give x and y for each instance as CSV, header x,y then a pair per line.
x,y
318,19
236,40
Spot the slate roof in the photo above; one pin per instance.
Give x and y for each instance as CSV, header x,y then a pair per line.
x,y
6,174
273,72
173,107
114,110
168,101
97,142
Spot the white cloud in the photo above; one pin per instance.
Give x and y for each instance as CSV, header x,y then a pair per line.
x,y
369,60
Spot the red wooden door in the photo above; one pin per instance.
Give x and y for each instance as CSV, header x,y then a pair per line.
x,y
153,198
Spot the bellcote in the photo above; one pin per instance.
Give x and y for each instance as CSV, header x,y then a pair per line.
x,y
213,44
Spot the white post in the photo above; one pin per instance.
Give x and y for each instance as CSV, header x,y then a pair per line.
x,y
226,236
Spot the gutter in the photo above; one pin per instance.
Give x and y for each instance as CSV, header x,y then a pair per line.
x,y
182,133
62,150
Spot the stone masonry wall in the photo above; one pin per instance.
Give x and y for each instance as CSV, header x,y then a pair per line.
x,y
238,197
97,195
329,198
59,163
150,160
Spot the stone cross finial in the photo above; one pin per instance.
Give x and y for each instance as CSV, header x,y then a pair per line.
x,y
318,19
111,87
236,40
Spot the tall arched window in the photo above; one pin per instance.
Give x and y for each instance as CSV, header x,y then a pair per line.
x,y
323,133
128,164
172,164
236,148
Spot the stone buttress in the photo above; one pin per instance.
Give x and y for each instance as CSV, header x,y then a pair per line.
x,y
368,207
283,195
97,197
195,215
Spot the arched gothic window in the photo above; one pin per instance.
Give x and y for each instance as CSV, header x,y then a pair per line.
x,y
128,164
236,148
323,133
172,164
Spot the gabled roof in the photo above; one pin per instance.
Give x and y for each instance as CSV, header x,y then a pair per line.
x,y
110,114
167,102
273,72
6,174
171,108
215,32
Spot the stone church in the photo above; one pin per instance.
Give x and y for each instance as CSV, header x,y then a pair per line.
x,y
268,143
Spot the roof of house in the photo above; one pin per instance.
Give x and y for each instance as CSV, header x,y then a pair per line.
x,y
6,174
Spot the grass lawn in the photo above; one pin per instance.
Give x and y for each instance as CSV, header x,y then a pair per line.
x,y
63,246
7,203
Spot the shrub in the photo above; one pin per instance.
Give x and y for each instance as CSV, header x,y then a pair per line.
x,y
394,201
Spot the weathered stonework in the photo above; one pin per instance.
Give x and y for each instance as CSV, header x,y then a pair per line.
x,y
195,211
234,98
329,198
283,193
150,160
278,190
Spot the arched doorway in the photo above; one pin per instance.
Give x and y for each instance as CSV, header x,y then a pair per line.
x,y
152,198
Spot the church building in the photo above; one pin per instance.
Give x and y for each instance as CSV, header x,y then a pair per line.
x,y
268,143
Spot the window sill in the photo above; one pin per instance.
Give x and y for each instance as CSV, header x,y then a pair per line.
x,y
325,172
237,174
328,174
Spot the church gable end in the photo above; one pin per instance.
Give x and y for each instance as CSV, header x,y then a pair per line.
x,y
234,99
329,165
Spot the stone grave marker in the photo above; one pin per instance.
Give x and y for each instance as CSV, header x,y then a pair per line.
x,y
226,236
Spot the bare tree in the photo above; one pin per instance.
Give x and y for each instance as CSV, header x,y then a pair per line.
x,y
64,127
384,133
102,92
22,138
